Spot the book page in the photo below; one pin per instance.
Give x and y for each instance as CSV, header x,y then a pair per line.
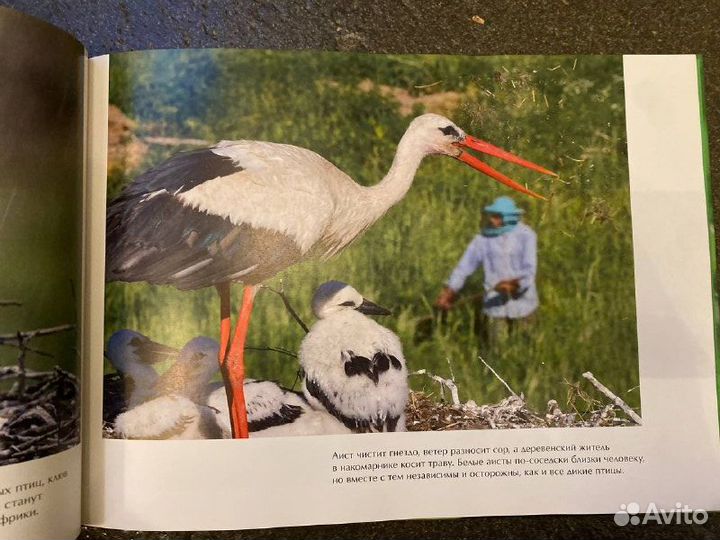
x,y
451,284
41,204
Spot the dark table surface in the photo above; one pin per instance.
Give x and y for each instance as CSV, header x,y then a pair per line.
x,y
416,26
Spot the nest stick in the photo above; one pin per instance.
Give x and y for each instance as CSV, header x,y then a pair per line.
x,y
615,399
272,349
289,307
447,383
498,376
42,420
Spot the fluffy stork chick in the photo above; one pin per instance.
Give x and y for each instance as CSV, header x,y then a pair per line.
x,y
191,374
133,356
179,411
354,367
274,411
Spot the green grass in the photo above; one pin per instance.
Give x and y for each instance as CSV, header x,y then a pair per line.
x,y
570,119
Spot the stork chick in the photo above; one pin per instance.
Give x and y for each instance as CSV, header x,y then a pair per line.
x,y
179,410
354,367
133,356
274,411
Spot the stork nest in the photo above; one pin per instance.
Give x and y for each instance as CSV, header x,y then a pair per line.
x,y
39,414
425,413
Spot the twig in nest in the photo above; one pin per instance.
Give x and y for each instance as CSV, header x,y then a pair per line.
x,y
41,421
447,383
452,375
4,303
615,399
273,349
293,313
498,376
576,392
21,340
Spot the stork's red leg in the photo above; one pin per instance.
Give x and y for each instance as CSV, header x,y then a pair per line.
x,y
235,367
224,291
225,326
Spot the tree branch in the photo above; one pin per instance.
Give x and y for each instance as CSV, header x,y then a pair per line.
x,y
18,337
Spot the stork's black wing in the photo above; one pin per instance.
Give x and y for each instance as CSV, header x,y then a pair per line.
x,y
152,236
182,172
263,415
371,368
286,414
359,365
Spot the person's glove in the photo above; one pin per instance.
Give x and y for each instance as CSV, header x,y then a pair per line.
x,y
445,299
508,287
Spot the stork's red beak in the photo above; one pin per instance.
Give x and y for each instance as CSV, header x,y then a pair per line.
x,y
489,149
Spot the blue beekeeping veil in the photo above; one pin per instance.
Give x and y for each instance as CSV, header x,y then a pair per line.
x,y
510,213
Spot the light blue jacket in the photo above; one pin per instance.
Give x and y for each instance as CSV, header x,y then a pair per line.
x,y
508,256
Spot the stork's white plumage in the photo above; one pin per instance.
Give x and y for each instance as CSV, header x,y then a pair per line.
x,y
354,367
191,374
133,356
184,403
245,210
165,418
178,411
274,411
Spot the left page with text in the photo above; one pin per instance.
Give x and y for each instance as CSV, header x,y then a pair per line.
x,y
41,194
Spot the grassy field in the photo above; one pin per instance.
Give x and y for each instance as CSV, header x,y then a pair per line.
x,y
566,113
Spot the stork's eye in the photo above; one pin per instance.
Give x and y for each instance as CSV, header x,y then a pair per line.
x,y
349,303
450,130
198,356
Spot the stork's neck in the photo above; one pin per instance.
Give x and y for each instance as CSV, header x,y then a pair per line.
x,y
363,206
144,379
391,189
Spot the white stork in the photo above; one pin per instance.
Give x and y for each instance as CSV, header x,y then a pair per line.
x,y
178,408
274,411
191,406
354,368
133,356
242,211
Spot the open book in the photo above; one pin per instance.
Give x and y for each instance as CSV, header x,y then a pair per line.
x,y
313,287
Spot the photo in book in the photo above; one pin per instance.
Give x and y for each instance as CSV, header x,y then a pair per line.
x,y
409,242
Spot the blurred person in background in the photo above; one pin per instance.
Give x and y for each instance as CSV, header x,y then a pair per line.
x,y
506,248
